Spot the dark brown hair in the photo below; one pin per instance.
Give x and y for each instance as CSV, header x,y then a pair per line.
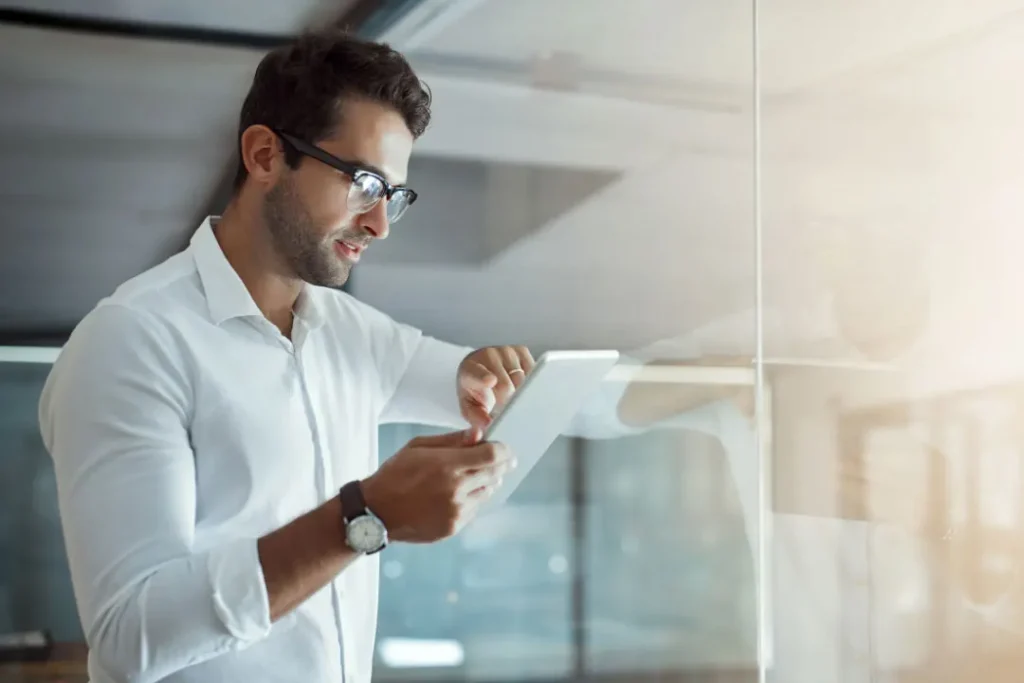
x,y
299,87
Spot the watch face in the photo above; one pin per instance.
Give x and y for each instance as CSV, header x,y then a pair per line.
x,y
366,534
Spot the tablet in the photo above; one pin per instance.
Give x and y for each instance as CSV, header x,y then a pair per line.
x,y
542,408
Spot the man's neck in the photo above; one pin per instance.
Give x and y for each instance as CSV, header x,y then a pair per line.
x,y
246,245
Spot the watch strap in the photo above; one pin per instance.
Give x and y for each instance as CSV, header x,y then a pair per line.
x,y
353,504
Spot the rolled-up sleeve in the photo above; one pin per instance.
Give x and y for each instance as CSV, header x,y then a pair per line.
x,y
114,416
427,392
417,373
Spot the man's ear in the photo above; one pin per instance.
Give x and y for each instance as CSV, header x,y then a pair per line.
x,y
262,155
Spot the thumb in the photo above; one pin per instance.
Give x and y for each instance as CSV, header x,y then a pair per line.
x,y
466,437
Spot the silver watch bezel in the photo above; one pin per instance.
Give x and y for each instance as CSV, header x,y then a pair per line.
x,y
362,520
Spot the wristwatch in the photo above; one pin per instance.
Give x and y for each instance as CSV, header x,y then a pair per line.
x,y
364,532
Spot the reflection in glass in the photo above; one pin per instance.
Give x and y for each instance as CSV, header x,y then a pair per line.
x,y
889,150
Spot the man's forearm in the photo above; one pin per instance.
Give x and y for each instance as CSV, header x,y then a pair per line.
x,y
303,556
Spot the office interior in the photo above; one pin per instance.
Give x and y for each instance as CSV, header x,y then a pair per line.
x,y
806,211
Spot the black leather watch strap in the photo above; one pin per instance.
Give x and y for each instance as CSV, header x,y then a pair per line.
x,y
352,502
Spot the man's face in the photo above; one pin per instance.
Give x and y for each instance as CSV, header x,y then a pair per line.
x,y
307,211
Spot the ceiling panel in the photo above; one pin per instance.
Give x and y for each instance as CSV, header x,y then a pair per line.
x,y
244,16
705,41
702,43
470,212
893,127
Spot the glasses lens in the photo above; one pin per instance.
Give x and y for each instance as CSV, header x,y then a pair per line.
x,y
398,204
366,190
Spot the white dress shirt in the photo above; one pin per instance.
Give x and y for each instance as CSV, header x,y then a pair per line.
x,y
183,426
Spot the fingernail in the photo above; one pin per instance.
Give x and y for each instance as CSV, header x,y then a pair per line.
x,y
513,464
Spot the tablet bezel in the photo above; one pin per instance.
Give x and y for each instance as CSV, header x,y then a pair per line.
x,y
603,363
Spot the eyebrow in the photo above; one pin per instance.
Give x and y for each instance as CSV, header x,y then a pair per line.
x,y
377,170
365,167
297,143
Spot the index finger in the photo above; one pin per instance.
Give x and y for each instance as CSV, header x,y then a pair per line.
x,y
486,454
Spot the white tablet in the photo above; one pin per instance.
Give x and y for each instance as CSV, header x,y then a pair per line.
x,y
542,408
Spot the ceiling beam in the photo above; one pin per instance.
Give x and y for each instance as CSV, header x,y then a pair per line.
x,y
25,338
358,16
515,123
119,28
418,21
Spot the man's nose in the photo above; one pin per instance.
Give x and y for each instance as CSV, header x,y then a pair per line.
x,y
375,221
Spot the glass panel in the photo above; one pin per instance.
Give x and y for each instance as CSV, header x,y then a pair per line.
x,y
35,584
616,211
495,602
670,577
587,182
891,174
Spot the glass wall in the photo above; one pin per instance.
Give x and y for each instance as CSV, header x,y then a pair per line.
x,y
808,467
891,207
629,554
35,584
590,181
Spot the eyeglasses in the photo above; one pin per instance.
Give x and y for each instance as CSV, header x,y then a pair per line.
x,y
367,188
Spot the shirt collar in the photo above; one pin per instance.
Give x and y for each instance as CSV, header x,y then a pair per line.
x,y
226,294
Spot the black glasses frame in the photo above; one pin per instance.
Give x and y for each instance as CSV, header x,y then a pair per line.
x,y
354,171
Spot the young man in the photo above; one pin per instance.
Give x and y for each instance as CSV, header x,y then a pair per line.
x,y
203,419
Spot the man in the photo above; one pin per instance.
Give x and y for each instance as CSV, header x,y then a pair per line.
x,y
203,419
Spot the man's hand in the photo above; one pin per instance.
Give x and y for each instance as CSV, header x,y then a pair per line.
x,y
487,379
431,488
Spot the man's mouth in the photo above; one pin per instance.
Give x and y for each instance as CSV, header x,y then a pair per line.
x,y
349,250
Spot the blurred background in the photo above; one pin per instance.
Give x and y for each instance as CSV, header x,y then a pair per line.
x,y
800,220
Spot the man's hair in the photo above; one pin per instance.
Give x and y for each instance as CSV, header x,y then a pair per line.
x,y
299,88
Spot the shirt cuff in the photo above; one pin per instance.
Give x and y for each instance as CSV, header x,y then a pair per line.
x,y
239,590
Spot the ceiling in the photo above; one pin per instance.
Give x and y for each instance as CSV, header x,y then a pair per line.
x,y
893,118
241,16
619,137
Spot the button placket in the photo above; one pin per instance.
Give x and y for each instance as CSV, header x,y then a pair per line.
x,y
322,474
